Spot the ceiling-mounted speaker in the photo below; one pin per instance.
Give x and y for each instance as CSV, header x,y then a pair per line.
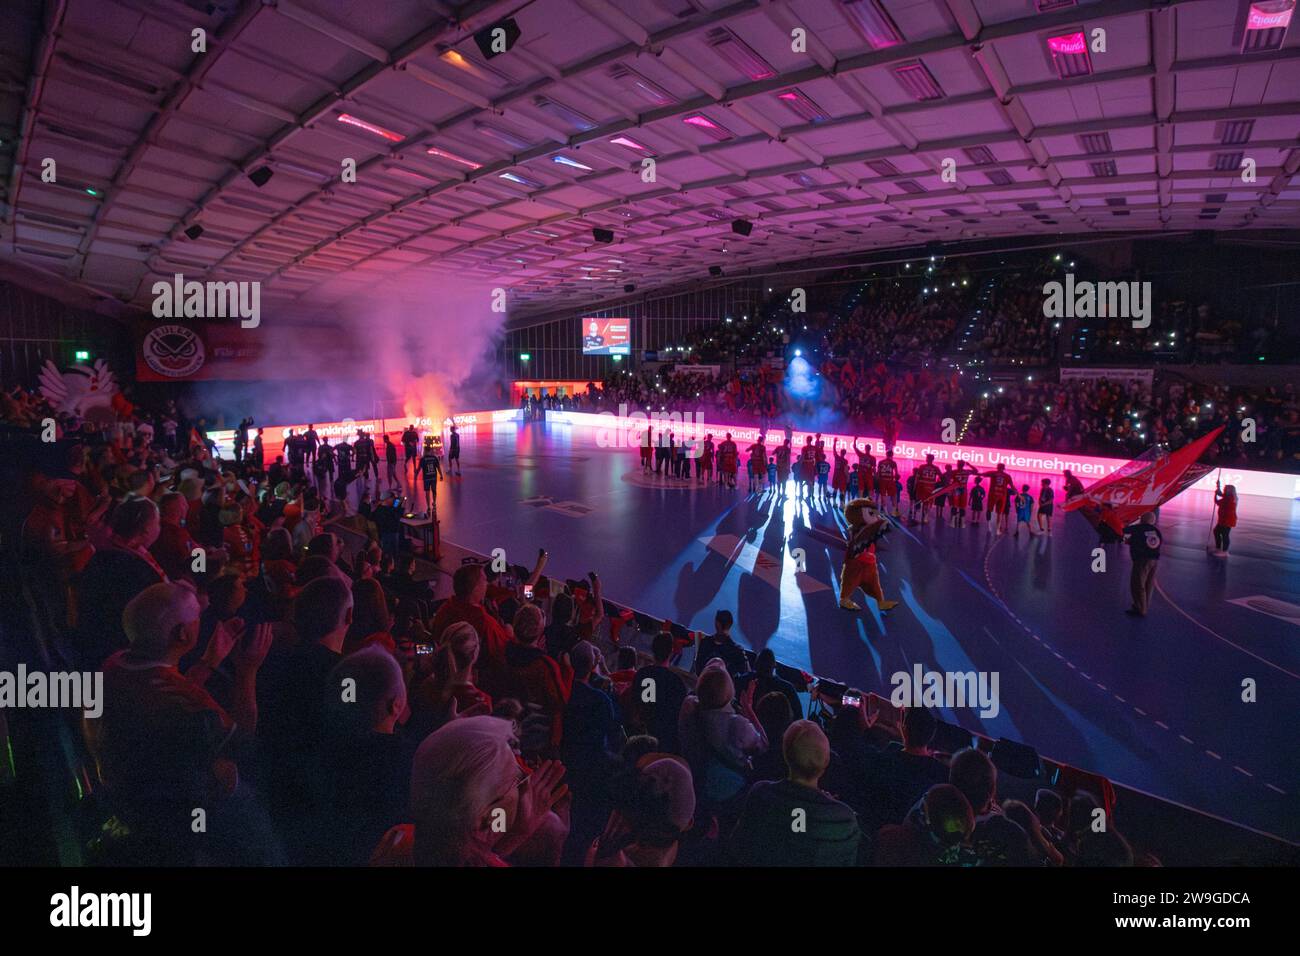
x,y
629,288
742,227
602,235
194,231
715,271
261,176
498,38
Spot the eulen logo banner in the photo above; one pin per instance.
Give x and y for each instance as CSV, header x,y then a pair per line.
x,y
606,336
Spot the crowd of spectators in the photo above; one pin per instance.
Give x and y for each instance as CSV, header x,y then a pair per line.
x,y
285,667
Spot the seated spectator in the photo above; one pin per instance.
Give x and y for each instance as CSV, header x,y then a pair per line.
x,y
792,822
163,746
115,575
468,588
773,712
370,618
1043,852
654,807
906,771
720,644
658,691
473,805
941,839
1049,808
718,742
591,737
768,681
996,840
535,677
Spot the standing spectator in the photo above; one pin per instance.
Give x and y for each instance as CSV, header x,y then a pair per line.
x,y
658,691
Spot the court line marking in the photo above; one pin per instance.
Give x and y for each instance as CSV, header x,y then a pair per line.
x,y
1216,634
988,578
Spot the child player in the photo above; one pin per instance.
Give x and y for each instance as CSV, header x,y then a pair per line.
x,y
771,473
823,475
1046,498
1024,511
977,499
887,481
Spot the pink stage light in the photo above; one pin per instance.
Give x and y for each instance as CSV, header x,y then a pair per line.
x,y
802,106
629,143
707,126
387,134
1070,54
452,157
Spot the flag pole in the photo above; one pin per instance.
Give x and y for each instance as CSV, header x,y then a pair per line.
x,y
1213,510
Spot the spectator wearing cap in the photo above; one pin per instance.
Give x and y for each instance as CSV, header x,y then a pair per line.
x,y
792,822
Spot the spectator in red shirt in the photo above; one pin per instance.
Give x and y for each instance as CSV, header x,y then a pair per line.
x,y
535,677
468,587
162,744
174,548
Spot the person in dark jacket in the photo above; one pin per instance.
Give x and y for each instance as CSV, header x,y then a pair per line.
x,y
720,644
768,682
792,822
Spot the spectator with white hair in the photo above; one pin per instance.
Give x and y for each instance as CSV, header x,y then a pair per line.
x,y
793,822
472,803
163,746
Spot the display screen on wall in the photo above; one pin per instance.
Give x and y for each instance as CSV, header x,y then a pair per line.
x,y
606,336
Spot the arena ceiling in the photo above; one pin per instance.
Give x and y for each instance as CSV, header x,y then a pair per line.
x,y
498,169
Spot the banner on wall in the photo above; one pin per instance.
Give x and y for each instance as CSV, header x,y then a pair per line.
x,y
1126,376
710,371
190,351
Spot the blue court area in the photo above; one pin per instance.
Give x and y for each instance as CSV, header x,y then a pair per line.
x,y
1155,703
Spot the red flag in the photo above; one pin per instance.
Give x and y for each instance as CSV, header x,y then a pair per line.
x,y
1145,483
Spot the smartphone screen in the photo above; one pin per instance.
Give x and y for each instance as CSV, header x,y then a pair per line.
x,y
423,649
528,592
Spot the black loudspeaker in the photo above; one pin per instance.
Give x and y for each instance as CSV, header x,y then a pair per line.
x,y
742,227
629,288
485,37
261,176
602,235
1016,759
194,231
715,270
